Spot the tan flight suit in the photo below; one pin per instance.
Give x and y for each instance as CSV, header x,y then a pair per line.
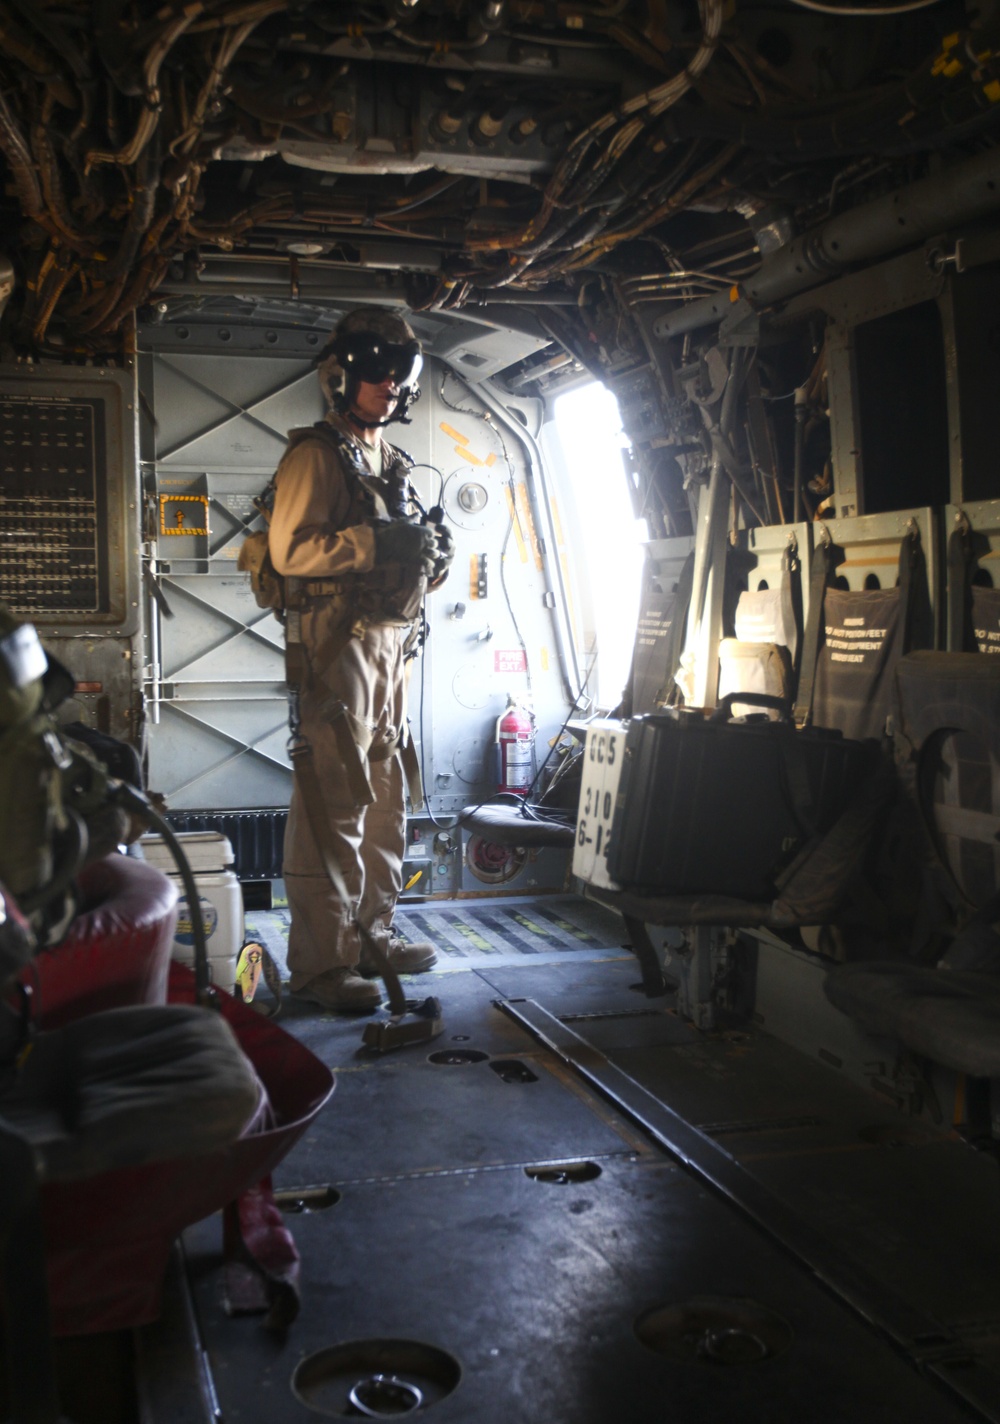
x,y
313,535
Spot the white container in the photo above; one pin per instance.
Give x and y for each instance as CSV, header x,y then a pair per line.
x,y
204,851
220,897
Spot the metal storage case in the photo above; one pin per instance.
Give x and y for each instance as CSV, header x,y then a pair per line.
x,y
719,807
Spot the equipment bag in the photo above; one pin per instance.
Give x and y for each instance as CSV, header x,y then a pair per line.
x,y
716,807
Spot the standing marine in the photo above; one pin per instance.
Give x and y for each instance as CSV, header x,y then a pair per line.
x,y
345,533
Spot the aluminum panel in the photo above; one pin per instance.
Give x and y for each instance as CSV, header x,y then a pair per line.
x,y
216,666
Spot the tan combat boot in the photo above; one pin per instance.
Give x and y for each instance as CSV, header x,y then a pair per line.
x,y
404,957
343,990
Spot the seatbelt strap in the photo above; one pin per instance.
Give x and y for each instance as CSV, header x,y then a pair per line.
x,y
913,603
653,983
407,754
960,561
907,554
819,574
795,773
674,644
791,617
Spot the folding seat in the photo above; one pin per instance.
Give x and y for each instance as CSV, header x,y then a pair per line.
x,y
948,1012
703,827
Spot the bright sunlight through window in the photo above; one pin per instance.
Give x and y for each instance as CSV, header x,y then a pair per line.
x,y
590,432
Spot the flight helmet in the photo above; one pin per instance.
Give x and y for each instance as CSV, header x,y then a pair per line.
x,y
371,344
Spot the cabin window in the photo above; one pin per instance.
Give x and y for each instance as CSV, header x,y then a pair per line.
x,y
609,564
903,409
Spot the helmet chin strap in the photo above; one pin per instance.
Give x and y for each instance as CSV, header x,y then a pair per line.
x,y
364,424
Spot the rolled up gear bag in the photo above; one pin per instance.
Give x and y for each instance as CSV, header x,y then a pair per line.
x,y
707,806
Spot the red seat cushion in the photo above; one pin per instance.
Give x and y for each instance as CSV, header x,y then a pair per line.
x,y
115,953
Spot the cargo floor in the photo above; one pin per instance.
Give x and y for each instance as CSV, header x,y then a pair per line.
x,y
514,1215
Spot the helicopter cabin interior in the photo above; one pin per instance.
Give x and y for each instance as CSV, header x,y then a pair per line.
x,y
697,1115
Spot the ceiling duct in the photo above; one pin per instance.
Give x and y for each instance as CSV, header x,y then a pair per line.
x,y
968,190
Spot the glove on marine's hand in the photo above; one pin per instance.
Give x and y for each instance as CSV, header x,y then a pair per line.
x,y
400,542
445,552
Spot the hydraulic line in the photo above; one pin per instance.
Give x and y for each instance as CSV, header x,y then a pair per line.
x,y
901,219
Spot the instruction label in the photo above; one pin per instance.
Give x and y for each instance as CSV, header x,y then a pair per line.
x,y
602,768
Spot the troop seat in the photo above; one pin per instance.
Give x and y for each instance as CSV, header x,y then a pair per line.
x,y
866,604
116,951
948,707
948,1016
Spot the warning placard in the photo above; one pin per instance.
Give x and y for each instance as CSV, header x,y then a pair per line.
x,y
862,639
510,660
986,618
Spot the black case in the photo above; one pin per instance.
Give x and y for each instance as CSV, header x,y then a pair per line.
x,y
718,807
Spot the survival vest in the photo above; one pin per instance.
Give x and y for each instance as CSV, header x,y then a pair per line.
x,y
391,593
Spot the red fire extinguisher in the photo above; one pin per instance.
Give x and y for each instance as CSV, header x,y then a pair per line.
x,y
515,746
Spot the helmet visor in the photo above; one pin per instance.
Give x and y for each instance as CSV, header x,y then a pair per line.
x,y
371,358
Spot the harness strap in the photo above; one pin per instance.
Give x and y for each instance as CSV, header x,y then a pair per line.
x,y
296,663
408,760
324,588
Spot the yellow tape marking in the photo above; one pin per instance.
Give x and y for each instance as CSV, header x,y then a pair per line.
x,y
517,524
524,511
476,939
180,526
453,434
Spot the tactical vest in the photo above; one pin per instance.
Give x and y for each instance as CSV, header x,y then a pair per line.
x,y
391,593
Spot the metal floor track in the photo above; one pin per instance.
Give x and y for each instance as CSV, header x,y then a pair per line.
x,y
602,1215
